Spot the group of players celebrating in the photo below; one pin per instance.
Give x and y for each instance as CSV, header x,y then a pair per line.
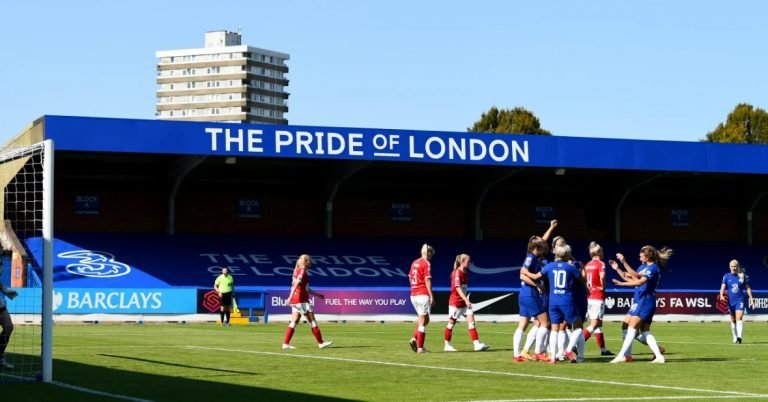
x,y
554,297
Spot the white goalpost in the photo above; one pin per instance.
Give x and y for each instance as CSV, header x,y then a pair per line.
x,y
26,251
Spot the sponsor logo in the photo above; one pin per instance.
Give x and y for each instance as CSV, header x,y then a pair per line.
x,y
486,303
95,264
610,302
211,301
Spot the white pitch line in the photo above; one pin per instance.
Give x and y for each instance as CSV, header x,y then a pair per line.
x,y
466,370
100,393
82,389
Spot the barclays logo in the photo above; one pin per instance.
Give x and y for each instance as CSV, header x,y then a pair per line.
x,y
94,264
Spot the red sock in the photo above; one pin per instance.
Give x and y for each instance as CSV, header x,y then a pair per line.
x,y
473,334
316,333
448,334
600,340
420,339
288,335
416,333
587,334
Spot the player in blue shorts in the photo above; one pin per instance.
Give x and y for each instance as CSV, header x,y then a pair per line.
x,y
736,282
561,275
646,280
531,302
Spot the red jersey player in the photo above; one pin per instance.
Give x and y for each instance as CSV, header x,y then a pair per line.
x,y
459,305
299,301
594,273
421,295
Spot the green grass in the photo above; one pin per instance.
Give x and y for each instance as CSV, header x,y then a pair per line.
x,y
371,361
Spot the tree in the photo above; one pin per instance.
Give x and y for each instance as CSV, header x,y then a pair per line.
x,y
745,124
515,121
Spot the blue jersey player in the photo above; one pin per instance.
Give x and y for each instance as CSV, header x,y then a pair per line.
x,y
561,276
531,300
645,280
736,285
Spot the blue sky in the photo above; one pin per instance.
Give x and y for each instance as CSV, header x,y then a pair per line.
x,y
668,70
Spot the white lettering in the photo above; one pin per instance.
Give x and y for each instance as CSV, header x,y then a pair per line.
x,y
441,147
254,138
355,144
457,149
213,132
282,138
412,151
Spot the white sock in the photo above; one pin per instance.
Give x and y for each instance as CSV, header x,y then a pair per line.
x,y
516,341
652,343
733,330
739,328
530,338
560,341
541,338
629,348
573,339
553,346
580,345
625,347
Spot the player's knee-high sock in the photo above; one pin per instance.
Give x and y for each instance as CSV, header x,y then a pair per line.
x,y
420,336
530,338
221,316
733,331
599,338
542,336
518,337
588,332
561,341
580,345
739,328
573,339
624,332
627,345
448,332
316,332
289,332
226,315
652,342
553,349
473,333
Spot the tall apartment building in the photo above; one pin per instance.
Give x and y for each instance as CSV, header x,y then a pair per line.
x,y
224,81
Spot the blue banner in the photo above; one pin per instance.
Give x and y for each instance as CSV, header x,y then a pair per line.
x,y
133,261
229,139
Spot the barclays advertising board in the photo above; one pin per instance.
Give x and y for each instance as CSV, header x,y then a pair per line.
x,y
229,139
107,301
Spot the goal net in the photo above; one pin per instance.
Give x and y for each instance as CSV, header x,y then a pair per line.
x,y
25,231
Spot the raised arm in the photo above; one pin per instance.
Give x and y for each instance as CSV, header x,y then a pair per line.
x,y
552,226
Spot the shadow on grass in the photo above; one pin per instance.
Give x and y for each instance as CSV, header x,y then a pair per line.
x,y
112,383
178,365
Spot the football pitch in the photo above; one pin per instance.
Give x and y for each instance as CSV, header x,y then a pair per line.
x,y
372,361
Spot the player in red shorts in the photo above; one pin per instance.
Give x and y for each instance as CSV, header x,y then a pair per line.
x,y
459,304
299,301
421,295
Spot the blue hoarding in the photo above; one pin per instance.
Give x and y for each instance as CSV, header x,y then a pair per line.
x,y
107,301
230,139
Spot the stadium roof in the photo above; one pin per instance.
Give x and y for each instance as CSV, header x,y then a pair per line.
x,y
88,134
